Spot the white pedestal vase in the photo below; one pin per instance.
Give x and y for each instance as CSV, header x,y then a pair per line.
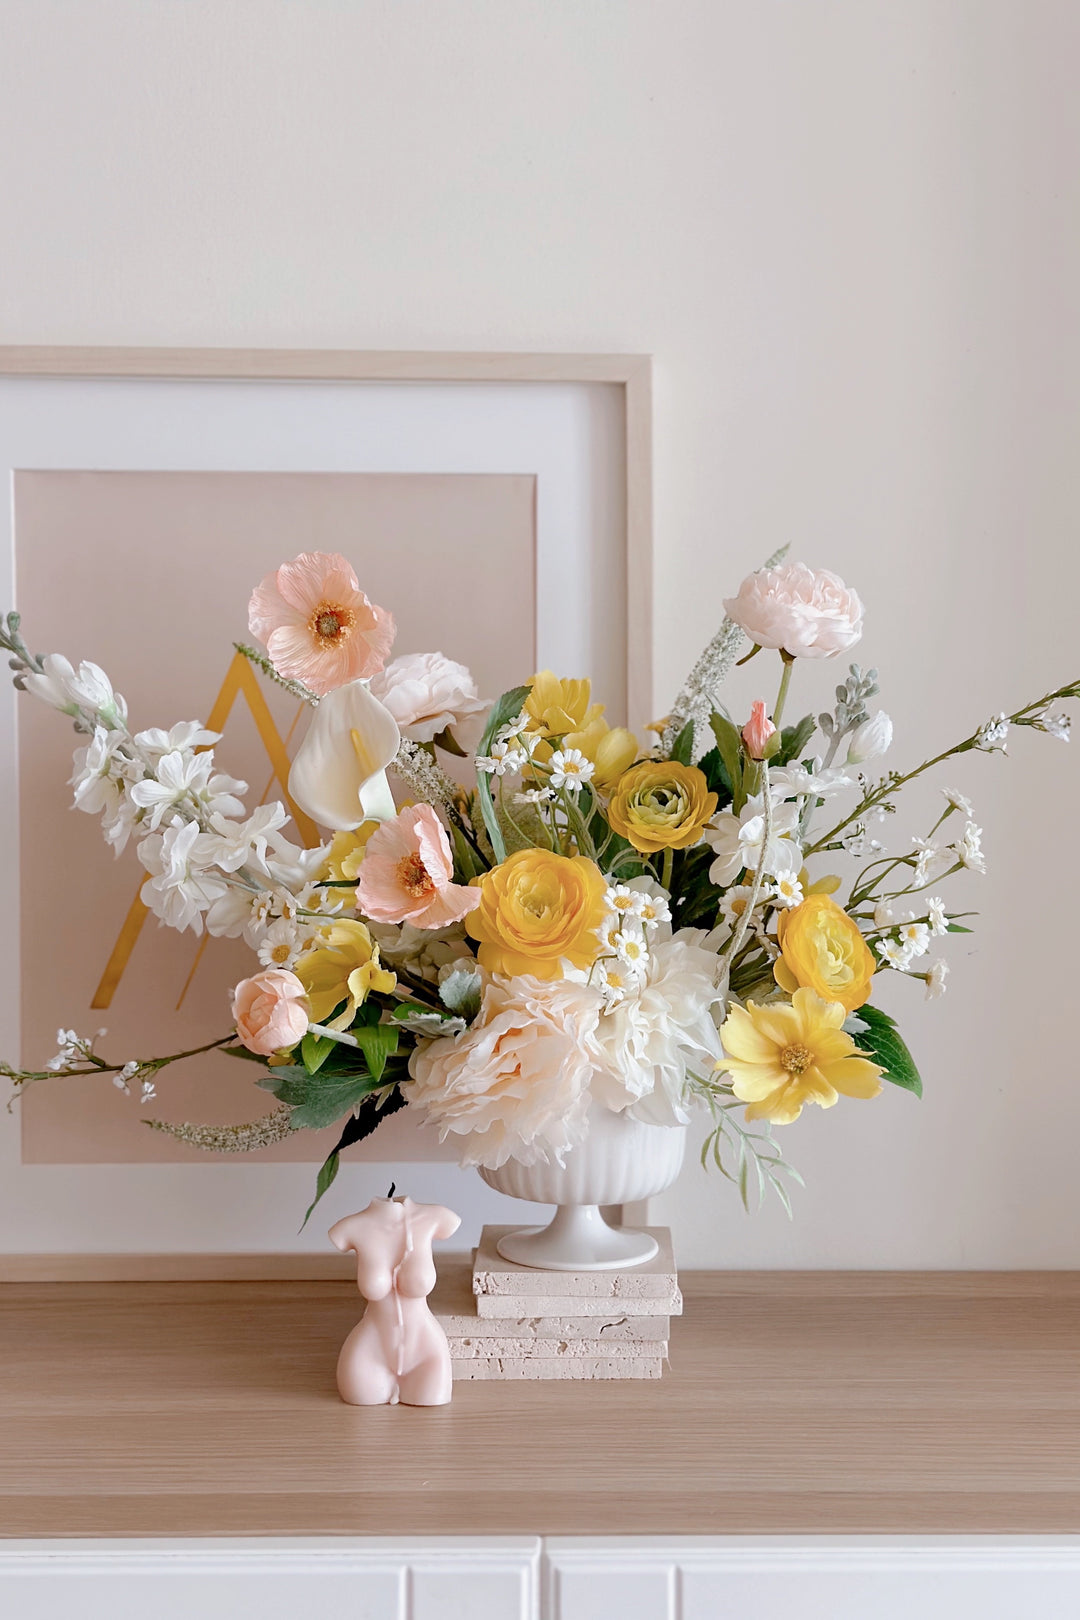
x,y
620,1161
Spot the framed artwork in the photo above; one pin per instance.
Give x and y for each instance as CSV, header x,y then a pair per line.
x,y
498,504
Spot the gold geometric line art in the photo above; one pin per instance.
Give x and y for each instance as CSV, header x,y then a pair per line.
x,y
239,681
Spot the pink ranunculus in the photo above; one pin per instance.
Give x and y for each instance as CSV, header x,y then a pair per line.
x,y
757,730
426,692
270,1011
317,624
804,612
407,873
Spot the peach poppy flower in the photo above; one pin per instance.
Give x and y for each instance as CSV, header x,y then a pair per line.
x,y
317,625
407,873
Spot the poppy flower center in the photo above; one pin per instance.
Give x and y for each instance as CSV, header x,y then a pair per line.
x,y
414,877
331,622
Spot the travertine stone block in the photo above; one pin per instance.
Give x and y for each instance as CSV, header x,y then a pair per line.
x,y
455,1306
494,1276
487,1346
564,1367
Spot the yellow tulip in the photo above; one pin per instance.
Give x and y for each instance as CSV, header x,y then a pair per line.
x,y
661,804
782,1056
612,750
822,949
536,909
343,967
556,707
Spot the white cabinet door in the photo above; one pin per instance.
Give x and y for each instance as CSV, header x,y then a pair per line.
x,y
813,1578
431,1579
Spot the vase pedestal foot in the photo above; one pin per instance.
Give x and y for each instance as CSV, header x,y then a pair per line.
x,y
578,1239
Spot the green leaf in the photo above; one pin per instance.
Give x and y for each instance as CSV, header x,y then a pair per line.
x,y
682,748
319,1099
957,928
467,864
357,1127
377,1042
242,1052
881,1042
314,1051
729,744
712,767
793,739
507,708
449,744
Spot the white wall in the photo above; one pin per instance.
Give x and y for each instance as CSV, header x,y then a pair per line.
x,y
847,230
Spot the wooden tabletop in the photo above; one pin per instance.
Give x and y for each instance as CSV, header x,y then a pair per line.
x,y
839,1403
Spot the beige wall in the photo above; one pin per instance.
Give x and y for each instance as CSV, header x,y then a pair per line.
x,y
847,230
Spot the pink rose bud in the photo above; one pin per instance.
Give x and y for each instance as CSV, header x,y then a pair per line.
x,y
757,731
270,1011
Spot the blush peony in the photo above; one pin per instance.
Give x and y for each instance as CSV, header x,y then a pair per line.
x,y
426,693
801,611
517,1084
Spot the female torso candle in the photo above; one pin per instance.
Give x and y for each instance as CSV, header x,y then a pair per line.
x,y
397,1352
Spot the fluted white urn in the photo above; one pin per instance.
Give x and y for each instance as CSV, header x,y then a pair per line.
x,y
620,1161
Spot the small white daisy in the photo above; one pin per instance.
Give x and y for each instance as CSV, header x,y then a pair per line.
x,y
570,768
626,901
280,946
935,980
938,918
958,801
632,949
542,795
894,954
916,937
786,893
884,916
502,761
968,849
735,902
654,909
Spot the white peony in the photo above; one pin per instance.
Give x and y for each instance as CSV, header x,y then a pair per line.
x,y
805,612
653,1038
426,692
516,1086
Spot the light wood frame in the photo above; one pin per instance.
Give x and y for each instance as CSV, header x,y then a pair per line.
x,y
630,372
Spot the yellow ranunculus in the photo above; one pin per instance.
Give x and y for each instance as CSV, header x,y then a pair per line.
x,y
343,967
822,948
781,1057
556,707
612,750
661,804
537,908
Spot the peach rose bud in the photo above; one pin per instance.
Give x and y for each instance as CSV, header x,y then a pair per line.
x,y
270,1011
757,732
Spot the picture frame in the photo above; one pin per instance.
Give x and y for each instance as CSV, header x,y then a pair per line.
x,y
596,410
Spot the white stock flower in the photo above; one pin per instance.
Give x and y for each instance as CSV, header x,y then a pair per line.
x,y
155,742
930,862
737,842
516,1084
97,789
233,844
88,688
178,889
1057,725
426,693
872,739
968,849
570,768
994,734
938,918
655,1036
53,686
935,979
805,612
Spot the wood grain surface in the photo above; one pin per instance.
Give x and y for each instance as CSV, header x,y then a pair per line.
x,y
833,1403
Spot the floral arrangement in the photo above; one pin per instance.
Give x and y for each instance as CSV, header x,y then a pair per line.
x,y
589,922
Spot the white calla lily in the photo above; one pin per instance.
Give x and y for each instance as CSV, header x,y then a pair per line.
x,y
339,774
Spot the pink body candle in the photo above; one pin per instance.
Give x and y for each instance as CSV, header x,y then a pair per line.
x,y
397,1351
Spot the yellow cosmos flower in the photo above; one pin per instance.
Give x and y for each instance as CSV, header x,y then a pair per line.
x,y
661,804
344,966
822,949
535,909
556,707
612,750
782,1057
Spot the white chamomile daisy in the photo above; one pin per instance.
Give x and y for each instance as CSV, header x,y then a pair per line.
x,y
654,909
916,937
786,892
503,760
735,902
935,980
570,768
542,795
937,916
625,901
280,947
895,955
632,949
